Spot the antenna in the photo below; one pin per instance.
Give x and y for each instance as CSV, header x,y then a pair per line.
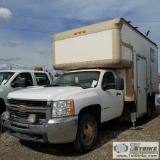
x,y
146,33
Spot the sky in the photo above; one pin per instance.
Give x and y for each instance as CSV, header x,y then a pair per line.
x,y
27,26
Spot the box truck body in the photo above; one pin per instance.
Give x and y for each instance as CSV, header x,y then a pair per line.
x,y
113,44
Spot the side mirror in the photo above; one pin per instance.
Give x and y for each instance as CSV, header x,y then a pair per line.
x,y
48,83
13,85
108,86
119,84
21,83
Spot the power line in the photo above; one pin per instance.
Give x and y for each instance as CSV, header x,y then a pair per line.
x,y
49,18
96,19
146,21
45,32
29,30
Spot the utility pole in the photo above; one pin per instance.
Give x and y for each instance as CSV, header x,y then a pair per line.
x,y
45,66
10,67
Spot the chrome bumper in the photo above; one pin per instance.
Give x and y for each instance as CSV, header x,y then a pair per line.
x,y
58,130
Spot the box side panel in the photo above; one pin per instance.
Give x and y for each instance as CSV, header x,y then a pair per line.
x,y
143,47
91,47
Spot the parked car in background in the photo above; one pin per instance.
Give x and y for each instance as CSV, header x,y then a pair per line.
x,y
11,80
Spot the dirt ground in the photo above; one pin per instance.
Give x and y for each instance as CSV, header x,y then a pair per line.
x,y
148,130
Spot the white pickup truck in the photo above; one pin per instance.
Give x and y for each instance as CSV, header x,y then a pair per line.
x,y
112,69
11,80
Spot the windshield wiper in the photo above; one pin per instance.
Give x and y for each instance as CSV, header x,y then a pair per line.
x,y
85,87
54,85
78,85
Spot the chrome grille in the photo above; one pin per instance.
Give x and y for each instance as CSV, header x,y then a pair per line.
x,y
23,116
26,114
42,110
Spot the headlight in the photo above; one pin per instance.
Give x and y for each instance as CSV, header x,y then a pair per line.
x,y
63,108
5,115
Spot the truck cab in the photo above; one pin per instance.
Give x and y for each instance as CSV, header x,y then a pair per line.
x,y
98,87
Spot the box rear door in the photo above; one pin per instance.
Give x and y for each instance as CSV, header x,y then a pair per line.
x,y
141,86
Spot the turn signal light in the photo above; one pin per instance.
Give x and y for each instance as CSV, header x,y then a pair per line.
x,y
80,32
117,24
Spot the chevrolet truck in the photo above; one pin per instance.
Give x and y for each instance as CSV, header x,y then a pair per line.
x,y
112,73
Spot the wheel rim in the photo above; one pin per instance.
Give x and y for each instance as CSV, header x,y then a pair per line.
x,y
89,133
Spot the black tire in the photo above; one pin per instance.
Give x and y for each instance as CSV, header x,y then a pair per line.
x,y
1,128
86,134
2,109
149,109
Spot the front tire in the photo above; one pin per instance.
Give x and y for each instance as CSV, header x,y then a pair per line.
x,y
86,134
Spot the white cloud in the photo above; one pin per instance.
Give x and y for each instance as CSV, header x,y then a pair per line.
x,y
11,43
5,14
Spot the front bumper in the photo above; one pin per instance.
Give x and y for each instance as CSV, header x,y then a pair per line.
x,y
57,130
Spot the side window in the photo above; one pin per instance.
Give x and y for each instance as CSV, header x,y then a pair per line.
x,y
41,78
27,76
108,81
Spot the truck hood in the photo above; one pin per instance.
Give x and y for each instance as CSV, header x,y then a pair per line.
x,y
45,93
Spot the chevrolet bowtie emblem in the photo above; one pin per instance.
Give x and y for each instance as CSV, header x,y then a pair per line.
x,y
21,108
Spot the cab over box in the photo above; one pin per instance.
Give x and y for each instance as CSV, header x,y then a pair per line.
x,y
112,72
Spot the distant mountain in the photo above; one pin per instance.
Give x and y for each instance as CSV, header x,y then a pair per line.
x,y
5,66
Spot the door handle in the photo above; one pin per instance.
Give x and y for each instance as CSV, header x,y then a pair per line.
x,y
118,94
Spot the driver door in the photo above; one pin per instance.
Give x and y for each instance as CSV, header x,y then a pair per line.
x,y
112,99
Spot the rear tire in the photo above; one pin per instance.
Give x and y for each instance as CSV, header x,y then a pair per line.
x,y
86,134
149,109
2,109
0,123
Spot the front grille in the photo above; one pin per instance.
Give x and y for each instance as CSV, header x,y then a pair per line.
x,y
26,114
41,109
18,116
28,103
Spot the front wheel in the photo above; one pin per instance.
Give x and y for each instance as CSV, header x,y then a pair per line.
x,y
86,134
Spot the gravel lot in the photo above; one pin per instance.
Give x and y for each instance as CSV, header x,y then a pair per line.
x,y
13,149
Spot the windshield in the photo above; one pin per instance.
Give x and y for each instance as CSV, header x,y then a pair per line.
x,y
5,76
85,79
